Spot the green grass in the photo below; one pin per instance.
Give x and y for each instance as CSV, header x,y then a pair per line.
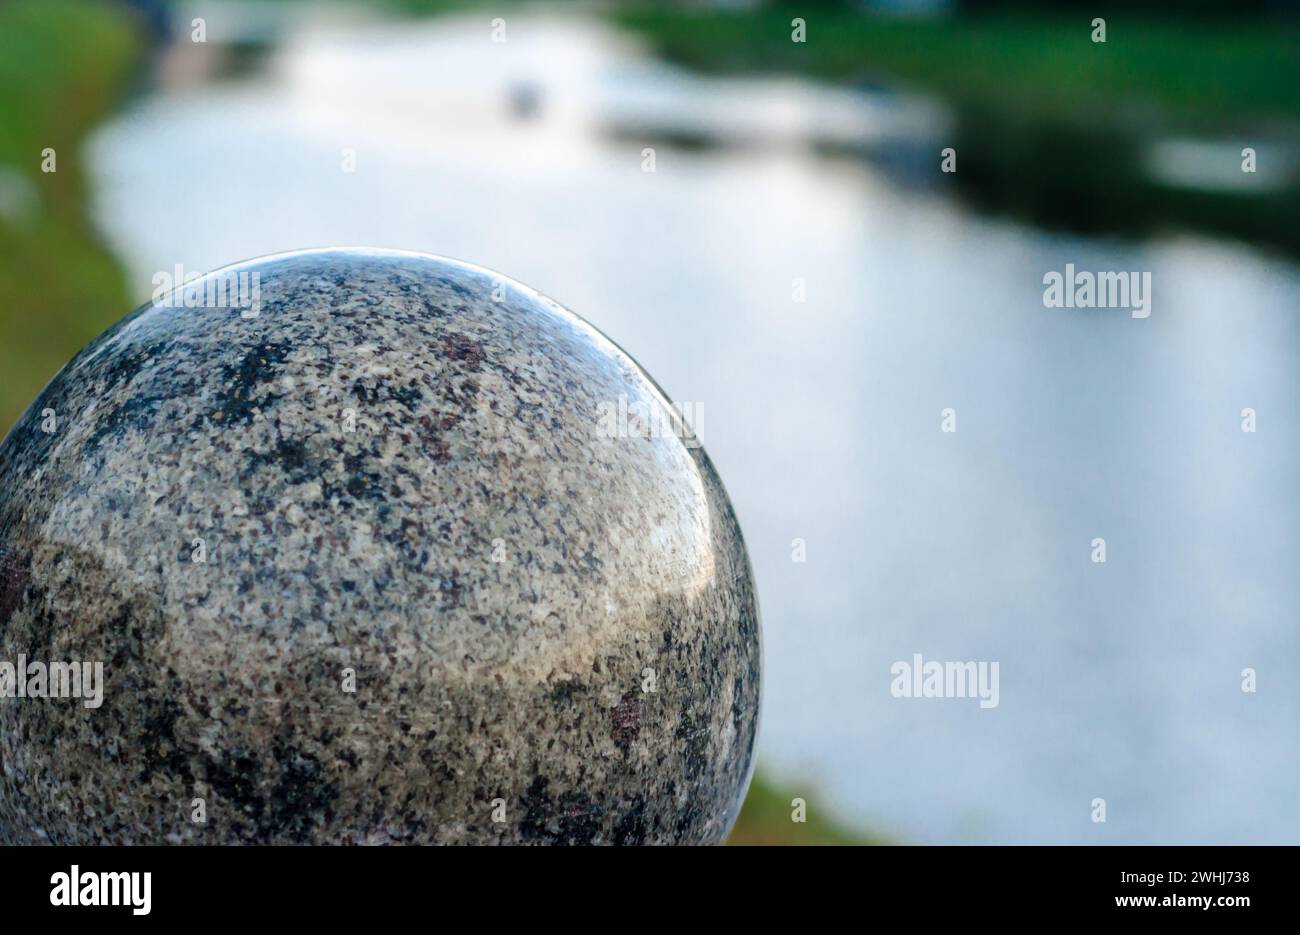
x,y
63,65
1041,65
765,819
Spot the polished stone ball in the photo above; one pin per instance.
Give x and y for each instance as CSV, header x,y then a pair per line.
x,y
367,547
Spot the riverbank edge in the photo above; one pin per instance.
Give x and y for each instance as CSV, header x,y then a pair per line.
x,y
66,65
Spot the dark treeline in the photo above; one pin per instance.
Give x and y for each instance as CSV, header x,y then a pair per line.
x,y
1148,8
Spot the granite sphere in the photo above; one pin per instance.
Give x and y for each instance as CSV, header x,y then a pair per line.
x,y
370,547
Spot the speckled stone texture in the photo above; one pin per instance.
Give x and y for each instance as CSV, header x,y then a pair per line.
x,y
396,472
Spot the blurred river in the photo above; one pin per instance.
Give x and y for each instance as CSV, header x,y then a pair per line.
x,y
1119,681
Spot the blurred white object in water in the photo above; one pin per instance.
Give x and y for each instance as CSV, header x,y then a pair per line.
x,y
1215,165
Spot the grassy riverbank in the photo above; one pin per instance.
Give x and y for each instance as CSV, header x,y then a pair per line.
x,y
1050,127
63,65
1046,65
765,819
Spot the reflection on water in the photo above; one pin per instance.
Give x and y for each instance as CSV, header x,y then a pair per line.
x,y
1119,680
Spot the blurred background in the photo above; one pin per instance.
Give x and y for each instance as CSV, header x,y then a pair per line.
x,y
798,267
